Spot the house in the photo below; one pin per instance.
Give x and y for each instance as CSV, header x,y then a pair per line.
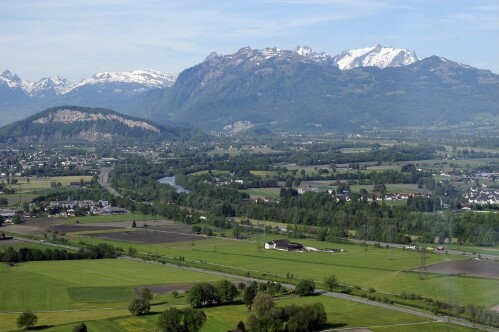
x,y
80,184
114,210
284,245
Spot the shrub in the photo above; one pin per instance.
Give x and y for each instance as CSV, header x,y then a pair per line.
x,y
80,328
27,319
305,287
139,307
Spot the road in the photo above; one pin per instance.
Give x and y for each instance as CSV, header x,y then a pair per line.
x,y
342,296
58,245
103,181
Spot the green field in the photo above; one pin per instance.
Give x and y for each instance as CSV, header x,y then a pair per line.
x,y
214,172
341,314
263,173
391,188
50,288
57,285
263,192
382,269
37,186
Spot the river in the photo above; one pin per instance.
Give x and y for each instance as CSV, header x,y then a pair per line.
x,y
171,181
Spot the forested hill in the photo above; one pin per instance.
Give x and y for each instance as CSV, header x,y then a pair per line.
x,y
89,124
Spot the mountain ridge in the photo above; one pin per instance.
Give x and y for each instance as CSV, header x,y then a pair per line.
x,y
284,90
280,89
61,86
90,124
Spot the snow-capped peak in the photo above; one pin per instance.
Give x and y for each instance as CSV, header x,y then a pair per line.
x,y
308,53
13,81
377,56
303,50
8,75
147,78
260,56
51,85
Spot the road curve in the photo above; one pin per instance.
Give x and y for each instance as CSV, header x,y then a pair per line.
x,y
104,181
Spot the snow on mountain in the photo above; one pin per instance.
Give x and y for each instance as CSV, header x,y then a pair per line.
x,y
54,85
310,54
300,53
147,78
13,81
51,85
377,56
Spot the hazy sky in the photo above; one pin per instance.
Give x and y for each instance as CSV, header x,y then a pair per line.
x,y
76,38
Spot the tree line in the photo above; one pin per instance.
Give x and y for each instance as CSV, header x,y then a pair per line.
x,y
89,251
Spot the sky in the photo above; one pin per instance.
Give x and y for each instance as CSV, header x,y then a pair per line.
x,y
76,38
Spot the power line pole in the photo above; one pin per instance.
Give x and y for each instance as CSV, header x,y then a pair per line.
x,y
422,264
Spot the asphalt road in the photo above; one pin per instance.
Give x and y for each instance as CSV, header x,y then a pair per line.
x,y
103,181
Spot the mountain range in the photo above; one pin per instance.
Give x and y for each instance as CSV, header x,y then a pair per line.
x,y
122,91
280,89
300,90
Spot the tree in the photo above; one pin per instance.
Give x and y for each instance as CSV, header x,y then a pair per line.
x,y
186,320
170,320
146,294
226,291
331,282
305,287
249,294
311,317
263,303
266,316
240,326
193,319
26,319
202,294
139,307
16,219
80,328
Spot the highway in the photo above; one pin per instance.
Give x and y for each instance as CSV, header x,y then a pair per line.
x,y
103,181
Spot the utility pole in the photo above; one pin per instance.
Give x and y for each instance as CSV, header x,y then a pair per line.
x,y
422,264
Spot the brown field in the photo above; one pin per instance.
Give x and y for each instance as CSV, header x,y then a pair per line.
x,y
10,242
25,228
149,236
471,267
82,227
174,228
163,289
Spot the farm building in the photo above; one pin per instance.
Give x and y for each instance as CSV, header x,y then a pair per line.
x,y
284,245
114,210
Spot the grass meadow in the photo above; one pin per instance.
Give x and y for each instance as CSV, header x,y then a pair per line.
x,y
97,292
38,186
263,192
63,285
386,270
341,314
